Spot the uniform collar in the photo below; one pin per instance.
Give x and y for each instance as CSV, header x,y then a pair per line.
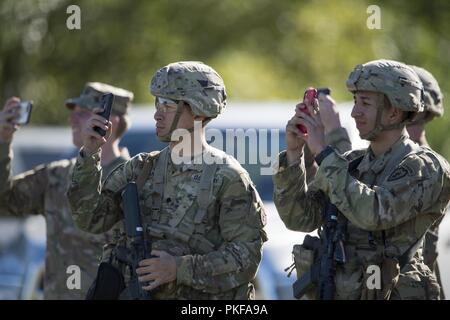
x,y
195,163
377,164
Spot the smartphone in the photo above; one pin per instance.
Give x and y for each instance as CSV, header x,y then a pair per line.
x,y
25,108
325,91
106,101
309,96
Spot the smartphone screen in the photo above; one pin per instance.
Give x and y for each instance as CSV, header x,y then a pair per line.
x,y
25,108
107,101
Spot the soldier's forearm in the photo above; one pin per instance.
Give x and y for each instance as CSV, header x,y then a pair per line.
x,y
291,199
85,188
373,208
23,194
226,269
339,139
5,181
5,166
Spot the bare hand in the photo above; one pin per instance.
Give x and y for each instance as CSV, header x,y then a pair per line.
x,y
328,113
8,116
294,140
92,140
157,271
315,138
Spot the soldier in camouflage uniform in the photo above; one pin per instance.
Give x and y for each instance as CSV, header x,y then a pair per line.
x,y
42,190
388,195
433,108
205,218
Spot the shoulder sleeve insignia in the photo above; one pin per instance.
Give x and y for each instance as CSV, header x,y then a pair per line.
x,y
399,173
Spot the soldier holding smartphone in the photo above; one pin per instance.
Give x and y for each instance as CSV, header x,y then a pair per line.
x,y
42,190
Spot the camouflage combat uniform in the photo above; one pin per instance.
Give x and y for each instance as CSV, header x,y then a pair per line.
x,y
218,256
387,203
433,103
409,194
43,191
337,138
209,216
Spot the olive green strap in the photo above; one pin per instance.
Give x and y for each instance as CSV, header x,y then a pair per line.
x,y
205,192
147,167
158,182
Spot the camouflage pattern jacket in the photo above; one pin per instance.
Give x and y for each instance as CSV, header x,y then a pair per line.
x,y
338,139
43,191
218,255
401,192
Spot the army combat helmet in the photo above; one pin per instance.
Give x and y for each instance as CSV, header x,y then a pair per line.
x,y
191,82
432,95
395,80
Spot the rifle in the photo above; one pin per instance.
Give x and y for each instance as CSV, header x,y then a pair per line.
x,y
140,246
328,251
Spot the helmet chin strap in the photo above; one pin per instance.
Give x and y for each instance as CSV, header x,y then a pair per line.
x,y
378,126
168,137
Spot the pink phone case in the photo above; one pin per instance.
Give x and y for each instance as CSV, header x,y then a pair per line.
x,y
310,95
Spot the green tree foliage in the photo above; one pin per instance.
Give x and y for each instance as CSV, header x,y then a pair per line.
x,y
264,49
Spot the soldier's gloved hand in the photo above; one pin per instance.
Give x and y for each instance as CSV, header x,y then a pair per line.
x,y
315,136
328,113
157,271
8,116
92,140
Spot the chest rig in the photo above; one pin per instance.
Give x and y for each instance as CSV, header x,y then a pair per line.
x,y
191,235
379,171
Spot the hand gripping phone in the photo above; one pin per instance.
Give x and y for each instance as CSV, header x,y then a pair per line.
x,y
308,97
107,101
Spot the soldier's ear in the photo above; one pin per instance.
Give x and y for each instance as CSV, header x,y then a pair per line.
x,y
395,115
115,120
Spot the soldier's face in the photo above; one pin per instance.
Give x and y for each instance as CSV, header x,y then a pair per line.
x,y
77,117
165,115
365,111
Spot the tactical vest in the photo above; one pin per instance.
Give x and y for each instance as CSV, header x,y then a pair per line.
x,y
377,240
193,235
175,237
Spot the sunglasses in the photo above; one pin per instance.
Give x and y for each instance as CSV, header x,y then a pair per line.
x,y
166,105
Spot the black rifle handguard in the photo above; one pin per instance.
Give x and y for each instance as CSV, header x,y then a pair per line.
x,y
140,247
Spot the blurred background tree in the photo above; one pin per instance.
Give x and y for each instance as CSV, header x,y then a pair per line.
x,y
264,49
